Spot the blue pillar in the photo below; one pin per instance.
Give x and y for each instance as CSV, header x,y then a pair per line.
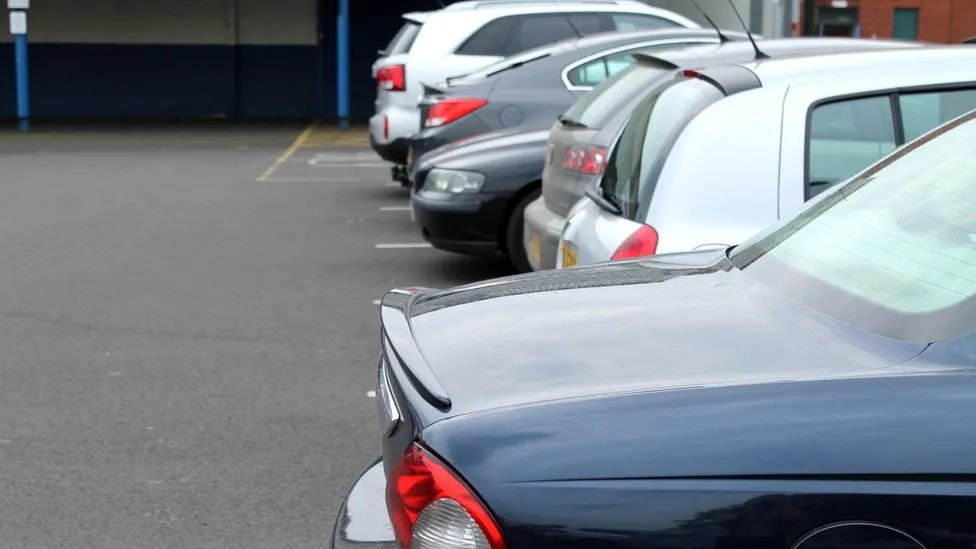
x,y
23,94
342,78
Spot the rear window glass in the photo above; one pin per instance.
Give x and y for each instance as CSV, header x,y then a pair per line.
x,y
646,140
597,106
512,62
892,252
404,39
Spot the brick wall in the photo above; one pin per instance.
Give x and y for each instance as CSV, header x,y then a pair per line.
x,y
945,21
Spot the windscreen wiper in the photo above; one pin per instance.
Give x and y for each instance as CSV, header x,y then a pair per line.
x,y
569,122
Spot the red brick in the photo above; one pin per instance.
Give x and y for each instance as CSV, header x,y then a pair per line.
x,y
942,21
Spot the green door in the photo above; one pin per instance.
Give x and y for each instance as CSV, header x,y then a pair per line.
x,y
906,24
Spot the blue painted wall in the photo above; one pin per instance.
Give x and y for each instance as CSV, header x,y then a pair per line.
x,y
186,81
150,81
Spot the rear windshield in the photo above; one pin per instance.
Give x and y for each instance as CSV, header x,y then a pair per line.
x,y
892,252
647,138
514,61
602,102
404,38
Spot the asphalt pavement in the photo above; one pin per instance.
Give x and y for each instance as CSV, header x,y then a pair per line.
x,y
189,329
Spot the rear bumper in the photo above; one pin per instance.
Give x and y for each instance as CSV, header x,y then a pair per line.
x,y
467,224
390,130
541,221
393,151
363,522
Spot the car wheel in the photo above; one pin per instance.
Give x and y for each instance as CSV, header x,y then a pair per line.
x,y
514,248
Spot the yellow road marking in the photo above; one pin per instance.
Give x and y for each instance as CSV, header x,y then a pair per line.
x,y
297,144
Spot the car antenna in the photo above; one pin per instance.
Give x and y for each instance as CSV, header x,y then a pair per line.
x,y
759,53
721,37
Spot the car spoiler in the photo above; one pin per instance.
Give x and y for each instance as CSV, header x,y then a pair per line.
x,y
645,58
395,315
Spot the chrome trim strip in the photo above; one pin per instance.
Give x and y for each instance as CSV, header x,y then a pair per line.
x,y
384,394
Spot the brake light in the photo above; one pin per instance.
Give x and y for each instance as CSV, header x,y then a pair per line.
x,y
689,73
430,506
641,243
392,78
449,110
585,159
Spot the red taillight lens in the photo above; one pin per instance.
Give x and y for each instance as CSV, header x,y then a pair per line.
x,y
392,78
430,507
585,159
449,110
641,243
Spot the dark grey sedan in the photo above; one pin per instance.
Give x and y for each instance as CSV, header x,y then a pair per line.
x,y
531,89
579,139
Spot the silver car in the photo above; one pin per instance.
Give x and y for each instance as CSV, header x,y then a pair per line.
x,y
583,134
715,156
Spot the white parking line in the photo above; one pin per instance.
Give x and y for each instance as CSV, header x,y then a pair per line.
x,y
393,184
371,394
376,302
394,208
402,245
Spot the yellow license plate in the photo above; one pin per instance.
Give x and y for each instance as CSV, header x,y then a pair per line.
x,y
569,257
535,246
409,156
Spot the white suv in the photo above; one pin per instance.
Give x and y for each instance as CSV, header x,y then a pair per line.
x,y
468,35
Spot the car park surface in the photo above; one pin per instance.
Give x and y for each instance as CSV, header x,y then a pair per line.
x,y
188,351
650,417
823,130
586,131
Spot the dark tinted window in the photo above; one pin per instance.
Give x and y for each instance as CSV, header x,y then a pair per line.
x,y
632,22
893,251
597,106
588,23
638,156
846,137
539,30
492,39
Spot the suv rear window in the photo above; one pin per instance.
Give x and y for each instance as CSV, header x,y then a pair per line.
x,y
603,101
646,140
403,39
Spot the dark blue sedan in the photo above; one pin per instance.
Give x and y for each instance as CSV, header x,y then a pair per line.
x,y
812,388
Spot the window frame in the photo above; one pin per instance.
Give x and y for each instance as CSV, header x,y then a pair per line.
x,y
893,95
564,75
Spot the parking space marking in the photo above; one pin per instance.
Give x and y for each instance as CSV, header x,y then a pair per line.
x,y
370,394
402,245
376,302
394,208
297,144
394,184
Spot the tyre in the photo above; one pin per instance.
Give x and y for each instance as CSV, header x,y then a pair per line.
x,y
514,228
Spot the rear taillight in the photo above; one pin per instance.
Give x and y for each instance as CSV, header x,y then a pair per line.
x,y
430,507
392,78
449,110
641,243
585,159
